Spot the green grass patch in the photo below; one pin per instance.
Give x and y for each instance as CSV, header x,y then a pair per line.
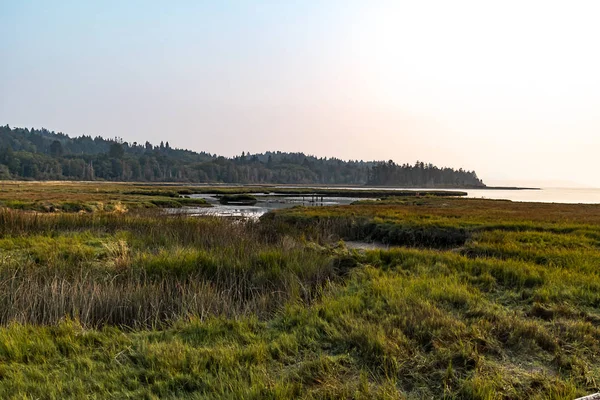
x,y
477,300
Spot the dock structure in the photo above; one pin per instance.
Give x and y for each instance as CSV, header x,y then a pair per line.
x,y
315,198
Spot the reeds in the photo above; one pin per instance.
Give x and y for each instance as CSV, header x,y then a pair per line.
x,y
141,271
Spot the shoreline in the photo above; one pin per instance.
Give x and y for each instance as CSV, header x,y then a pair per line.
x,y
270,185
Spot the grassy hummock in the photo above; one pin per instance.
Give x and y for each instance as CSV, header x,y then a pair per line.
x,y
238,199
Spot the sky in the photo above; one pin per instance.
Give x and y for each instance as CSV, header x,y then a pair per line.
x,y
510,89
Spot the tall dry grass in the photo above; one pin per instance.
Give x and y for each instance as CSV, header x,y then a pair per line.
x,y
150,269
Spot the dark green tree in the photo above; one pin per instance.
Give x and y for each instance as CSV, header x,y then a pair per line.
x,y
116,150
56,149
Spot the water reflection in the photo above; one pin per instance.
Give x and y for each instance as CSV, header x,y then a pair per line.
x,y
265,204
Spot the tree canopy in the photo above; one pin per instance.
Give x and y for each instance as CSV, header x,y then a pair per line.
x,y
46,155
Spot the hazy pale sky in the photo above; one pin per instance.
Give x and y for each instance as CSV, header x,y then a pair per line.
x,y
510,89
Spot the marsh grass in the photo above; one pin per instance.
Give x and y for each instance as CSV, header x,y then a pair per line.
x,y
435,222
484,300
92,196
75,197
146,271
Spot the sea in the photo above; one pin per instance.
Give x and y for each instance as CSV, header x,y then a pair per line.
x,y
543,195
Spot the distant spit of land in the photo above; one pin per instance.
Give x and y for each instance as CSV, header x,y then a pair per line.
x,y
509,188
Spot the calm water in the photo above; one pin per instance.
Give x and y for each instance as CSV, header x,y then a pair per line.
x,y
545,195
266,204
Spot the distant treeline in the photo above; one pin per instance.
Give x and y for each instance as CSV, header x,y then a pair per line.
x,y
45,155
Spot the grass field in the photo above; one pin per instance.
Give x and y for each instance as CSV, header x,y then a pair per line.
x,y
474,300
92,196
60,196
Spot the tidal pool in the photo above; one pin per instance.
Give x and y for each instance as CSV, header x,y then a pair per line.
x,y
266,203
